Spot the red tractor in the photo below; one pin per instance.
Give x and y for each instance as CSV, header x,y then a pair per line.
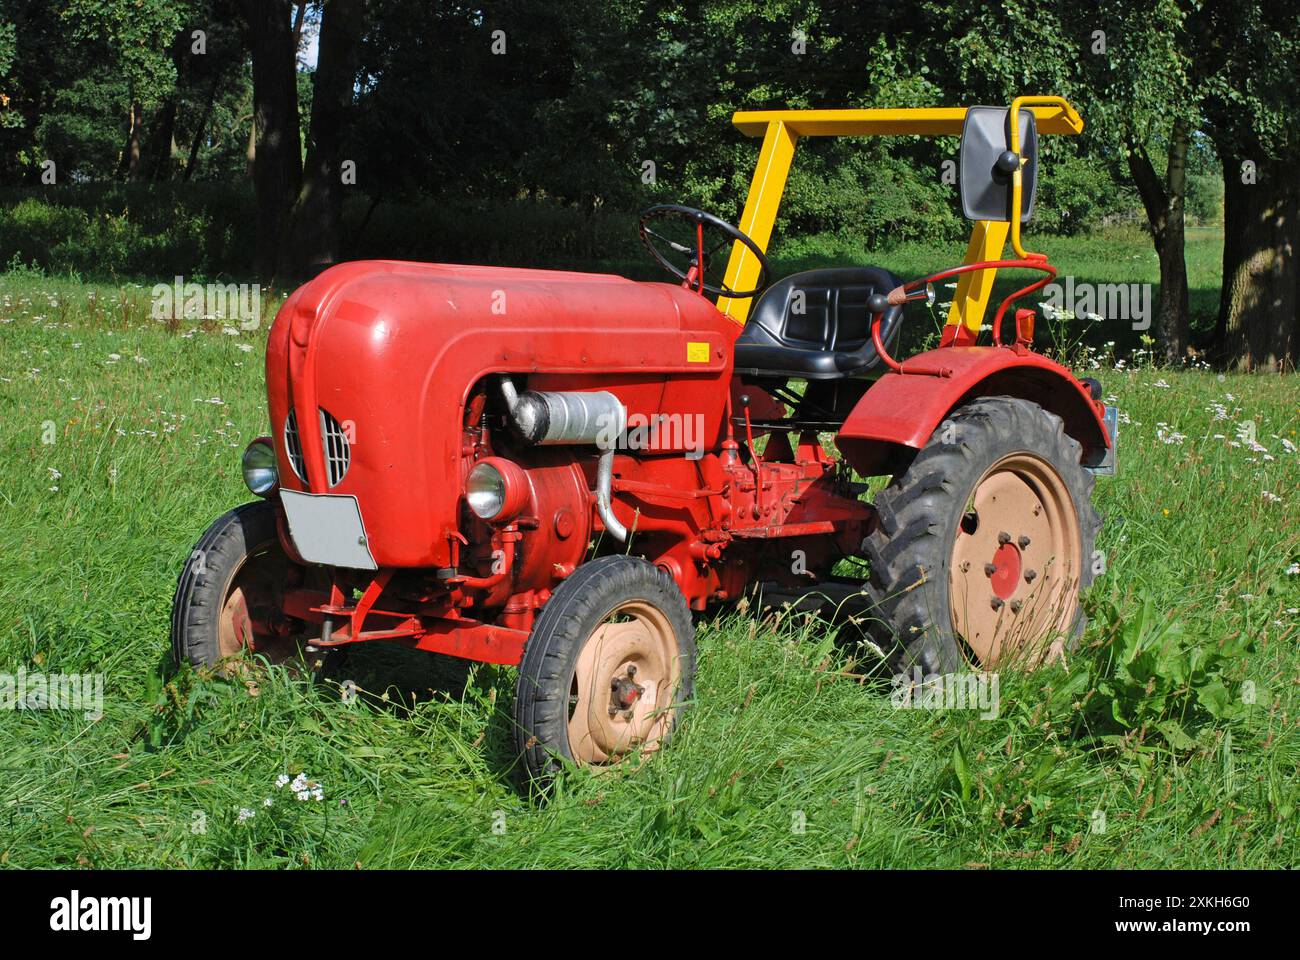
x,y
556,470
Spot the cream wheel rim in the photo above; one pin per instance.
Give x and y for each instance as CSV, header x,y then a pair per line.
x,y
1016,561
623,685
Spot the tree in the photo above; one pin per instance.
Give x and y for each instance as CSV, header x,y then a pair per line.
x,y
1251,107
1144,82
277,166
313,231
142,33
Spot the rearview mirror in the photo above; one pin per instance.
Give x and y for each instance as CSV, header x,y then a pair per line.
x,y
987,164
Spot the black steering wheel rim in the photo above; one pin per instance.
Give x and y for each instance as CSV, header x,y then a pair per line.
x,y
697,216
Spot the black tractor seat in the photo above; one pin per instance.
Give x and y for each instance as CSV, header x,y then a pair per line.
x,y
815,325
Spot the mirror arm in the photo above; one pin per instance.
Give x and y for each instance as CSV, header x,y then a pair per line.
x,y
1017,175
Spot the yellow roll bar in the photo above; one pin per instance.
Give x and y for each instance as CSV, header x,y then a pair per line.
x,y
781,130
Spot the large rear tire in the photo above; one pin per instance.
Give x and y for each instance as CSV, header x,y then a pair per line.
x,y
984,544
606,670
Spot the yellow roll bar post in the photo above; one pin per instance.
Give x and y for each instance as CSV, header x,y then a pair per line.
x,y
781,130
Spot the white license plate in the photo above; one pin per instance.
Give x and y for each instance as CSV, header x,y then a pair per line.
x,y
327,529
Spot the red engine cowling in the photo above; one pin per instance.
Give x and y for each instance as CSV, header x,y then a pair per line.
x,y
385,356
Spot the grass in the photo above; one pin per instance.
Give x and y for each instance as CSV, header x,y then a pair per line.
x,y
789,759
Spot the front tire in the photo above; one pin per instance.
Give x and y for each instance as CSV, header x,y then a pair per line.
x,y
229,597
985,542
606,669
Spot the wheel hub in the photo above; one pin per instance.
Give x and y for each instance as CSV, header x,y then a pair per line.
x,y
1006,571
624,691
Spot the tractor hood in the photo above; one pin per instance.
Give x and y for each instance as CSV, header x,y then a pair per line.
x,y
376,359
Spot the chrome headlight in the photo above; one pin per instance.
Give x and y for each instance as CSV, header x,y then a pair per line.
x,y
497,490
259,467
485,490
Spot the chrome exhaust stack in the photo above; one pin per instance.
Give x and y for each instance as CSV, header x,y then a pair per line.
x,y
549,418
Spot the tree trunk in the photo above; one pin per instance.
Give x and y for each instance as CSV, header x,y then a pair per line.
x,y
1232,187
201,130
365,221
1257,307
314,242
1165,204
162,141
131,157
1174,319
278,163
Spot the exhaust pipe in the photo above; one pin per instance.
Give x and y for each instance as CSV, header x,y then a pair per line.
x,y
548,418
555,417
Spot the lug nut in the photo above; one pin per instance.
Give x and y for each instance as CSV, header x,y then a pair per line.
x,y
1004,538
990,569
1030,576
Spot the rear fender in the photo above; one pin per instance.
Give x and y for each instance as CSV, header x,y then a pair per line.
x,y
900,411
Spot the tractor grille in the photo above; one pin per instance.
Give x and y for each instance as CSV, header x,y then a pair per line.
x,y
338,452
293,446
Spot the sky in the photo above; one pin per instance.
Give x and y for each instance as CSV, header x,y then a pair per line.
x,y
309,48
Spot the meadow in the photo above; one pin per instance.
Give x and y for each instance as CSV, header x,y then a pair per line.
x,y
1169,739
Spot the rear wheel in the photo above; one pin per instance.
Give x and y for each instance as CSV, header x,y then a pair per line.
x,y
607,667
229,598
984,543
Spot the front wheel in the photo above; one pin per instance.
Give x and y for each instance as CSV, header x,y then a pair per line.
x,y
606,670
229,597
984,542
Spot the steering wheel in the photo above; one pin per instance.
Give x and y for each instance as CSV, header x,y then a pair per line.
x,y
689,220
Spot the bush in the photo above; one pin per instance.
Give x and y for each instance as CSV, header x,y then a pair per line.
x,y
1205,198
130,230
1077,195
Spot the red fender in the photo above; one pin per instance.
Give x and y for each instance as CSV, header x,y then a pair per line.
x,y
900,411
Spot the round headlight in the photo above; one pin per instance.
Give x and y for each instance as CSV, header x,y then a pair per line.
x,y
496,490
259,467
485,490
